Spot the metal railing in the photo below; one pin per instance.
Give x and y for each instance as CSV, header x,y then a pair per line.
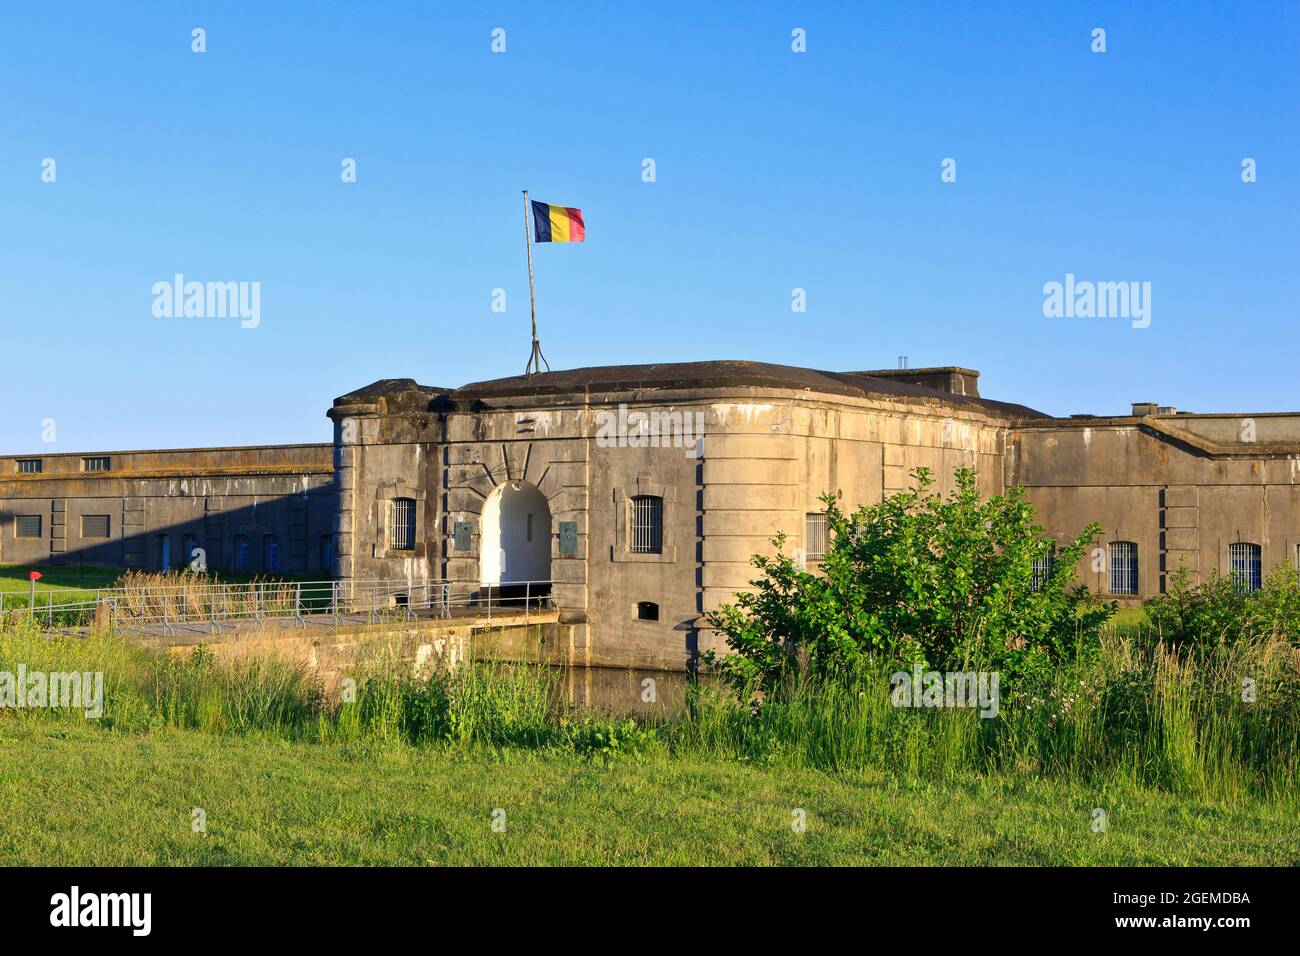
x,y
167,607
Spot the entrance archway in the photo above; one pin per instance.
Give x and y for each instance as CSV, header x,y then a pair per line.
x,y
516,538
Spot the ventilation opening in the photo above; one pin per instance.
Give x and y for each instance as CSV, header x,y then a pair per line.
x,y
401,599
647,611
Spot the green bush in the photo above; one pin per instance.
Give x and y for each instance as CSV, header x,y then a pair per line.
x,y
915,579
1220,611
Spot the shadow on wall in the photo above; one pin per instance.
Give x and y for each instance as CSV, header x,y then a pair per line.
x,y
288,535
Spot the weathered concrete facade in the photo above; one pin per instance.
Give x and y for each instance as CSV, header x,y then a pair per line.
x,y
247,508
1184,488
636,495
734,453
731,453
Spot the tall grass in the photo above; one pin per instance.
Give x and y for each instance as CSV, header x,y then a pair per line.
x,y
1134,710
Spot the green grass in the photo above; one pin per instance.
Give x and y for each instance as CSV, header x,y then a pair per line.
x,y
13,578
82,795
411,770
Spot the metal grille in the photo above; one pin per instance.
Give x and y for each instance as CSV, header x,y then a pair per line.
x,y
814,536
1123,567
94,526
401,525
1245,560
30,466
27,526
241,552
95,464
1042,569
647,524
270,553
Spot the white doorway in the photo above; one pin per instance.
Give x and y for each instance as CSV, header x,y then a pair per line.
x,y
516,539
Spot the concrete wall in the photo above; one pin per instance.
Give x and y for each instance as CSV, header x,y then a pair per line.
x,y
734,464
1149,481
763,459
196,497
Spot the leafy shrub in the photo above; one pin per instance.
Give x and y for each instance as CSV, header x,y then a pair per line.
x,y
1220,611
915,579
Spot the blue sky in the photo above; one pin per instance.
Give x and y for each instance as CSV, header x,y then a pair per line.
x,y
774,171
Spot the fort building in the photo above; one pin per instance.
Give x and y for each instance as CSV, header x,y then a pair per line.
x,y
635,496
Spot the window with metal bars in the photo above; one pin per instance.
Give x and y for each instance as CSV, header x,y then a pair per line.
x,y
1123,567
94,526
97,463
814,536
647,524
1246,566
240,555
401,524
1042,568
27,526
30,466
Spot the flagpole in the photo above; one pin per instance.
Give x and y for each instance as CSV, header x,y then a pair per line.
x,y
536,359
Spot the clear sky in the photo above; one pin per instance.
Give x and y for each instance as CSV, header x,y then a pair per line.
x,y
775,170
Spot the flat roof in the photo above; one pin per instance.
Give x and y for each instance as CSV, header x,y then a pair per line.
x,y
405,393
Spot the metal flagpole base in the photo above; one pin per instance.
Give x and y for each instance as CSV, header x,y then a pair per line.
x,y
536,360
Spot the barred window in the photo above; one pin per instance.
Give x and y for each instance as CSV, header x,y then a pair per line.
x,y
30,466
401,524
814,536
1245,561
27,526
240,556
94,526
270,553
97,463
1042,568
647,531
1123,567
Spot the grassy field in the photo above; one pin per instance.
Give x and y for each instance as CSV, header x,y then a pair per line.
x,y
410,768
128,800
13,578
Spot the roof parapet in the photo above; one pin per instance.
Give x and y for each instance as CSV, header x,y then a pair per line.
x,y
952,379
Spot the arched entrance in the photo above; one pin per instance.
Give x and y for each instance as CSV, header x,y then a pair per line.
x,y
516,538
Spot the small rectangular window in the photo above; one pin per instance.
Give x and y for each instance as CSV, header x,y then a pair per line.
x,y
327,554
401,524
27,526
270,553
241,552
1042,569
1123,567
1247,571
647,611
30,466
94,526
96,463
647,524
814,536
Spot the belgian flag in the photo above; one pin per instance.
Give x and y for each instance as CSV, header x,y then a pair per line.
x,y
557,223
